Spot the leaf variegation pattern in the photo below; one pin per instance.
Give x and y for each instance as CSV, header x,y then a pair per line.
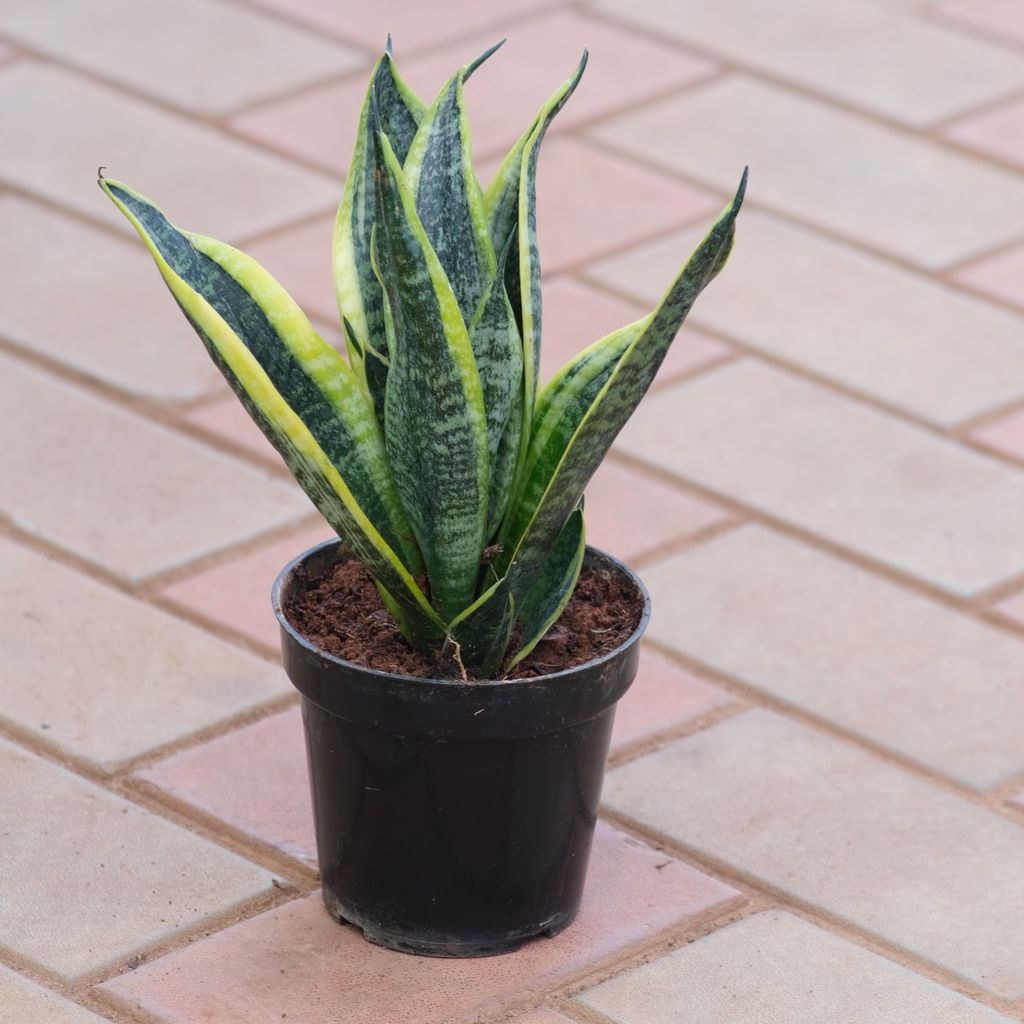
x,y
398,111
434,421
511,206
568,475
547,597
298,390
449,201
431,451
498,351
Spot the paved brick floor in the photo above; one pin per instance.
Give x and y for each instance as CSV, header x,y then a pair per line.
x,y
815,809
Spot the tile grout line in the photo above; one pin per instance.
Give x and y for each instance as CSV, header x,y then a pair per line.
x,y
753,902
213,120
821,97
663,41
819,542
937,130
832,923
414,52
809,225
145,590
570,269
665,942
970,29
754,696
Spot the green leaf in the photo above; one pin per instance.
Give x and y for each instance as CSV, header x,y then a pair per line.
x,y
511,207
359,295
434,421
298,390
498,352
568,475
546,599
439,170
501,201
482,630
560,410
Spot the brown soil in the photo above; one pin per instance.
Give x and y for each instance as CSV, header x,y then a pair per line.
x,y
342,612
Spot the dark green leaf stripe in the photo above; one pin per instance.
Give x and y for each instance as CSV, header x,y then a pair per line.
x,y
434,422
439,170
404,600
511,208
309,375
560,410
501,201
358,291
550,593
617,399
498,352
298,390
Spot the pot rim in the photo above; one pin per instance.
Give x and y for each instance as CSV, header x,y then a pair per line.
x,y
284,576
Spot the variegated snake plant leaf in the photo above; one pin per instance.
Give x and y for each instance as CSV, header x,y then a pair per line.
x,y
429,450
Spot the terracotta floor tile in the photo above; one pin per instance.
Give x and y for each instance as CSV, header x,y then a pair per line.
x,y
233,55
1001,276
225,418
877,58
628,512
902,671
830,825
590,202
136,337
905,338
933,207
1005,435
24,1002
296,961
59,126
1003,19
863,479
776,967
138,678
318,125
412,25
1012,607
504,96
997,132
300,258
121,491
237,593
98,878
662,697
253,778
577,314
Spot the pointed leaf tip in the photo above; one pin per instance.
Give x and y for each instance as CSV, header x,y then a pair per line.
x,y
742,190
474,64
389,48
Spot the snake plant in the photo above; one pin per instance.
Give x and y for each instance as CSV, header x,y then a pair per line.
x,y
429,450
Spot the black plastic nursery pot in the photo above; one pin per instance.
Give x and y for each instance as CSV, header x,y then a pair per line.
x,y
454,818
